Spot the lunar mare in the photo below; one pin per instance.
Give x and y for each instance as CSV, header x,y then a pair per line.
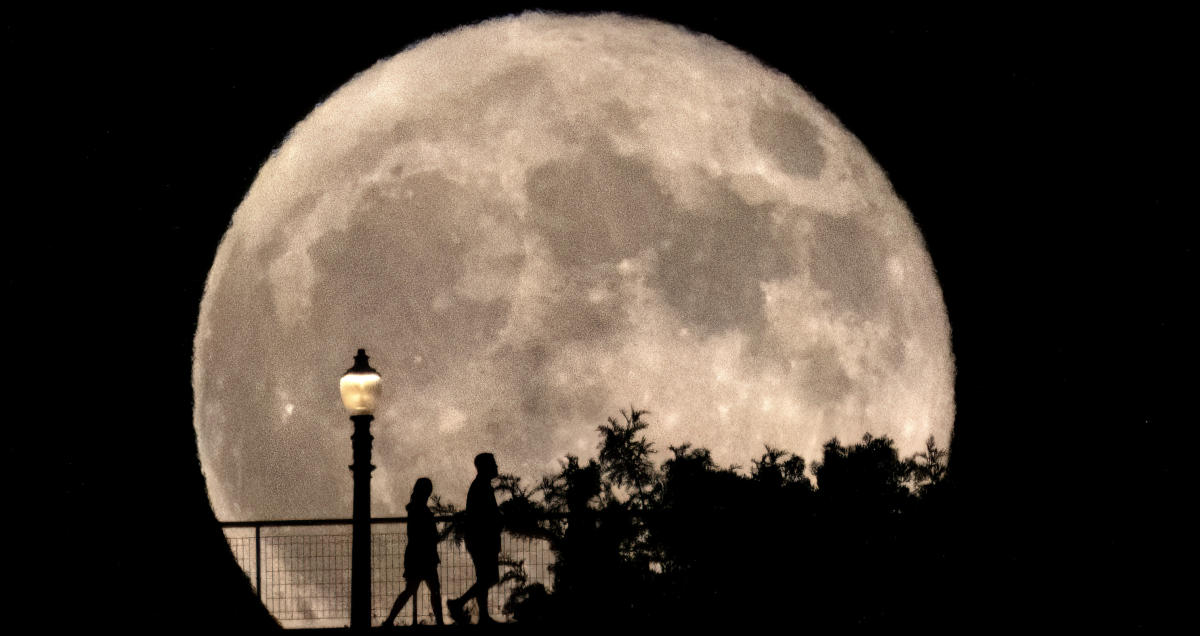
x,y
533,222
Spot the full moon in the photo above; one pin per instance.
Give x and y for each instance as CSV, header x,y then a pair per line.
x,y
534,222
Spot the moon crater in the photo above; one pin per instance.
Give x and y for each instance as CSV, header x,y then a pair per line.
x,y
790,140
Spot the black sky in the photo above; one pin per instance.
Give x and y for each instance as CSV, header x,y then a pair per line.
x,y
1038,154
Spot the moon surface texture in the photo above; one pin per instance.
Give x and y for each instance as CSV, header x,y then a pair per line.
x,y
536,221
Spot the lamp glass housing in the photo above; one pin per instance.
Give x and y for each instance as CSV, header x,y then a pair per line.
x,y
360,387
359,391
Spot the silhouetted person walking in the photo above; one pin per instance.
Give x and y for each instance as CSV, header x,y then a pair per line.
x,y
483,540
420,555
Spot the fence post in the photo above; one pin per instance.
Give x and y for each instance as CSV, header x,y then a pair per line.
x,y
258,561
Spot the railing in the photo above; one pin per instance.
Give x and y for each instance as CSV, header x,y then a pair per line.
x,y
301,569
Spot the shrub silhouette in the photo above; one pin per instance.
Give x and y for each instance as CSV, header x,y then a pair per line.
x,y
689,541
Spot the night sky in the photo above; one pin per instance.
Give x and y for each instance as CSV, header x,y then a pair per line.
x,y
1037,154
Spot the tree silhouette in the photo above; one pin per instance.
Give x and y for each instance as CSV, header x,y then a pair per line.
x,y
624,454
692,541
864,478
929,467
772,473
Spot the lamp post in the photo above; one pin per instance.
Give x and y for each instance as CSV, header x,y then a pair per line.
x,y
360,388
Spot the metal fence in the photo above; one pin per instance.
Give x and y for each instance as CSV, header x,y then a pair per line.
x,y
301,569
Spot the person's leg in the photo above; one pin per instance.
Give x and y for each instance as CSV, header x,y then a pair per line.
x,y
477,591
481,599
472,592
487,570
410,589
435,597
455,605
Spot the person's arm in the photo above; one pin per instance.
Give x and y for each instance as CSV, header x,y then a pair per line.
x,y
497,519
431,528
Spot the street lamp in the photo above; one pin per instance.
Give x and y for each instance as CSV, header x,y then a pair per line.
x,y
360,388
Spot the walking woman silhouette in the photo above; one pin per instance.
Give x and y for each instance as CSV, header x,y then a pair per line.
x,y
420,555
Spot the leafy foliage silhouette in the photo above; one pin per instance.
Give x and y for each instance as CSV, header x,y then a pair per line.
x,y
690,542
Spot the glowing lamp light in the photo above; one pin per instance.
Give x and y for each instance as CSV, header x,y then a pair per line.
x,y
360,386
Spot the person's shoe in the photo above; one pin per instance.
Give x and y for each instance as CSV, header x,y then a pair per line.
x,y
456,612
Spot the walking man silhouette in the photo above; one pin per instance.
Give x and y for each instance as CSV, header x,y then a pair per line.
x,y
420,555
483,540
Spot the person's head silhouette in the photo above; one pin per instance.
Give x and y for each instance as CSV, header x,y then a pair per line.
x,y
485,463
421,490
